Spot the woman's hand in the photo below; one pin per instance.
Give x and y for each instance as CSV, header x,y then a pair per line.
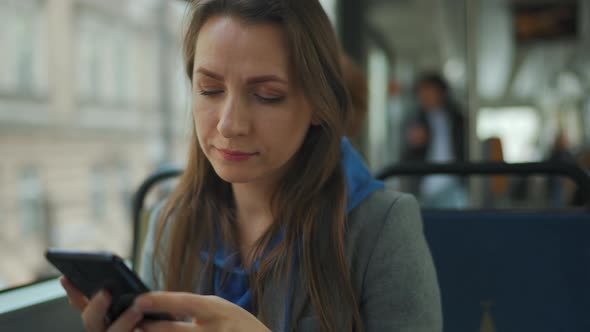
x,y
208,313
94,311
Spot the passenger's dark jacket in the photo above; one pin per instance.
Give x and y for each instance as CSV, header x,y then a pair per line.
x,y
418,153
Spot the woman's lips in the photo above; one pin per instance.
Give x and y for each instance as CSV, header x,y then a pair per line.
x,y
231,155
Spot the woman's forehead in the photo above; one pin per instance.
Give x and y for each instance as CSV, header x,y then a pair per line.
x,y
225,44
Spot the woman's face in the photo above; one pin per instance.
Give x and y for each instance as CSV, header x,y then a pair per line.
x,y
250,115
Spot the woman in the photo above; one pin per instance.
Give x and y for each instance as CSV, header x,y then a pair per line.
x,y
275,217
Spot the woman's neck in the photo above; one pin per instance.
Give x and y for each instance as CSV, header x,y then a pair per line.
x,y
254,215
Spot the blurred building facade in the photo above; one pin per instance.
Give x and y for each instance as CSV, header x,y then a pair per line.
x,y
83,120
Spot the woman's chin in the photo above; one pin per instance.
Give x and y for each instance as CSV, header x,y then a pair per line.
x,y
235,176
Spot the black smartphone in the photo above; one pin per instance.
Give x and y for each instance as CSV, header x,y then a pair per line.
x,y
90,272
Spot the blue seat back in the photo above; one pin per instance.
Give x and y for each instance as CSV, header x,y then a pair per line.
x,y
531,269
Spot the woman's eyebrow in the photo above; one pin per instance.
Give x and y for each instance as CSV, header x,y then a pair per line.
x,y
251,80
265,78
209,73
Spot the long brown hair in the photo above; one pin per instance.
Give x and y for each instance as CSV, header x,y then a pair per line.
x,y
309,203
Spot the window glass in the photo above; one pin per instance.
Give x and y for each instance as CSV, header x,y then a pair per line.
x,y
330,6
31,212
73,155
378,115
516,127
515,83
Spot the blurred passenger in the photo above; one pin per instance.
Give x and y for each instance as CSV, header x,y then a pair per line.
x,y
557,186
436,134
584,163
560,151
496,186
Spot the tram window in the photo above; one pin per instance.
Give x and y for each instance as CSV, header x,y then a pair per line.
x,y
330,6
518,129
72,155
377,122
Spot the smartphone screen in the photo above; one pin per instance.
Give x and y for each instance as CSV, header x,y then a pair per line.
x,y
90,272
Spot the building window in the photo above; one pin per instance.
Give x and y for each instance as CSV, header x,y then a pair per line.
x,y
30,202
104,65
89,66
23,60
121,64
98,193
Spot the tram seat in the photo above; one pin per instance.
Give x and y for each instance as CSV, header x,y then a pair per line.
x,y
502,270
515,271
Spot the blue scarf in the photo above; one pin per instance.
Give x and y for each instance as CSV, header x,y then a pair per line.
x,y
235,287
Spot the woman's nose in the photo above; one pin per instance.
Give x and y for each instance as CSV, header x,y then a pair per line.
x,y
234,119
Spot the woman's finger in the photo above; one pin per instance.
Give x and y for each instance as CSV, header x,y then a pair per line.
x,y
165,326
75,297
95,312
201,307
127,321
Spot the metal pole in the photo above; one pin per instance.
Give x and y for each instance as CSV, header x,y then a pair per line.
x,y
474,147
351,28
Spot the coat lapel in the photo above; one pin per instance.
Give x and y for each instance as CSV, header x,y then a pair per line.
x,y
274,301
299,297
274,298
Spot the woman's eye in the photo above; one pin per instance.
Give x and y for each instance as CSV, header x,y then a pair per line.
x,y
270,100
210,92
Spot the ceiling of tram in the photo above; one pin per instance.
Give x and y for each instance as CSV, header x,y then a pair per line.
x,y
427,34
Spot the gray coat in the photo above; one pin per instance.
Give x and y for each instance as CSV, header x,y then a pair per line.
x,y
391,269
